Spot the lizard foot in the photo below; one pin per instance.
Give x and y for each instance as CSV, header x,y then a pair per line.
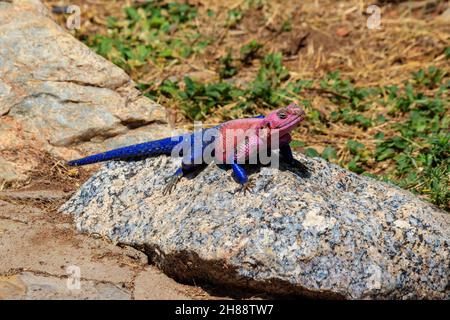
x,y
171,183
246,187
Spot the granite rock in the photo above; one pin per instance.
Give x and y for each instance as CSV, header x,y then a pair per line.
x,y
325,233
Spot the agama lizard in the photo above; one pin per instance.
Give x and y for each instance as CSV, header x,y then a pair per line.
x,y
231,143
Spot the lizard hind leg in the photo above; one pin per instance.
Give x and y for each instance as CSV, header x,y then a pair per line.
x,y
172,181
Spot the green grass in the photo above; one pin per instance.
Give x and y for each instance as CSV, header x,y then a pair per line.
x,y
151,31
412,144
199,100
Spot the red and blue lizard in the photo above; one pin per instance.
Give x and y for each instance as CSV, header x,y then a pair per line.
x,y
232,143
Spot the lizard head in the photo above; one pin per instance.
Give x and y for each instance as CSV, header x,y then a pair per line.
x,y
284,119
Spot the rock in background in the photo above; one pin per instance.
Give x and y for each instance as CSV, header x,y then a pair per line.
x,y
58,96
327,234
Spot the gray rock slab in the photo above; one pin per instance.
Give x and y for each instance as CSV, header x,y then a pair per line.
x,y
42,195
30,286
58,96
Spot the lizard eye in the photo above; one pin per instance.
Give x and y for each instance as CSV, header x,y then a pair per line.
x,y
282,115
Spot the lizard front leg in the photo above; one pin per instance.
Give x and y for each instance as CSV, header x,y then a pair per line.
x,y
286,153
243,151
239,173
241,177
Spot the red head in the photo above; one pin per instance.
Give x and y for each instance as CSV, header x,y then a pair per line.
x,y
284,120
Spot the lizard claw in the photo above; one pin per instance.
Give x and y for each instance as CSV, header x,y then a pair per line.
x,y
172,182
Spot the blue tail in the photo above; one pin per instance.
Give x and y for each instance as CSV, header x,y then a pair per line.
x,y
146,149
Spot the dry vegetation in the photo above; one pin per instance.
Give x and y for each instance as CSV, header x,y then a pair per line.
x,y
377,100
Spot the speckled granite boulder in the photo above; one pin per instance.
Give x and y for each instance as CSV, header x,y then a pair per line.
x,y
326,234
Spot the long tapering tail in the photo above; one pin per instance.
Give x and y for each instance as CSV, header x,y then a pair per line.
x,y
152,148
